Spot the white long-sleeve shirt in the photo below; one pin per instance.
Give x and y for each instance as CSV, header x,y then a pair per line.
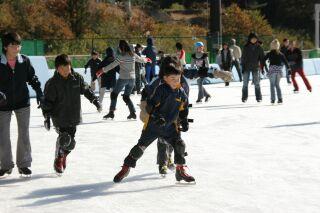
x,y
127,65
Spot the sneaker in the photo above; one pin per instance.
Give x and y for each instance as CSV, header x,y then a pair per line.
x,y
58,164
181,174
280,101
208,97
122,174
5,171
25,171
109,115
163,170
132,116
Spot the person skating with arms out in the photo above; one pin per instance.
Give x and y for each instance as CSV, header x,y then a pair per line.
x,y
62,103
168,116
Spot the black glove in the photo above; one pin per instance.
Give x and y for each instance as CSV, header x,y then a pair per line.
x,y
159,120
47,123
3,99
97,104
184,125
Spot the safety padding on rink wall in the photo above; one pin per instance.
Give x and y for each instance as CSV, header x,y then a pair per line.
x,y
311,67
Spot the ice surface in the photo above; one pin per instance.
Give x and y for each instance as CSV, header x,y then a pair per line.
x,y
246,158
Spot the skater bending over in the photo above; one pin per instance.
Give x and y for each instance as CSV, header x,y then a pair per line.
x,y
168,115
62,103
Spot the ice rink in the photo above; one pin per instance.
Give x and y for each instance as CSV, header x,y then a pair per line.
x,y
246,158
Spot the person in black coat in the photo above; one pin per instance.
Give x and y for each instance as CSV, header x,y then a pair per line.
x,y
252,61
62,103
226,59
108,80
16,71
93,63
284,50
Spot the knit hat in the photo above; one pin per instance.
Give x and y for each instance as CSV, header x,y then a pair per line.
x,y
198,44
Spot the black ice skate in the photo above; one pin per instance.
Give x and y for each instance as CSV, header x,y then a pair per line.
x,y
181,174
208,97
109,115
58,165
132,116
280,101
5,171
25,172
199,101
122,174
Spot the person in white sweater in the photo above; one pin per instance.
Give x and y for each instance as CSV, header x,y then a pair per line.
x,y
126,60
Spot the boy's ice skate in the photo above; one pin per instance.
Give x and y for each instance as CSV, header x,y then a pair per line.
x,y
59,165
122,174
181,174
163,170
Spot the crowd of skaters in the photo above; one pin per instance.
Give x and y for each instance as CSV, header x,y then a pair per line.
x,y
165,96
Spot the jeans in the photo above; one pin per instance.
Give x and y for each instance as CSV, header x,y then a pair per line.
x,y
150,72
275,84
255,80
128,85
202,91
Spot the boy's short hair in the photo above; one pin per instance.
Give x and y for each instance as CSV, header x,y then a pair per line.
x,y
94,52
170,66
10,38
62,60
285,40
138,46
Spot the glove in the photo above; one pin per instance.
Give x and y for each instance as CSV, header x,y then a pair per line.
x,y
160,121
99,73
3,99
40,99
47,122
184,125
98,105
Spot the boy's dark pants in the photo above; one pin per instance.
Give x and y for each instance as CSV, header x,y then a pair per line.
x,y
164,152
153,131
71,131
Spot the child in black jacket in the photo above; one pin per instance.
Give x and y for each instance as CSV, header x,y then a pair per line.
x,y
93,63
168,112
62,103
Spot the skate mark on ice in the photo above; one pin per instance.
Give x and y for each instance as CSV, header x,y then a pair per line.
x,y
293,125
12,180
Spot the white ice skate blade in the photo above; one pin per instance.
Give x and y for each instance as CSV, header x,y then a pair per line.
x,y
59,174
183,183
25,176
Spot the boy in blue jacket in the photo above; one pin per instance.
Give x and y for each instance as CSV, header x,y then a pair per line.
x,y
168,116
